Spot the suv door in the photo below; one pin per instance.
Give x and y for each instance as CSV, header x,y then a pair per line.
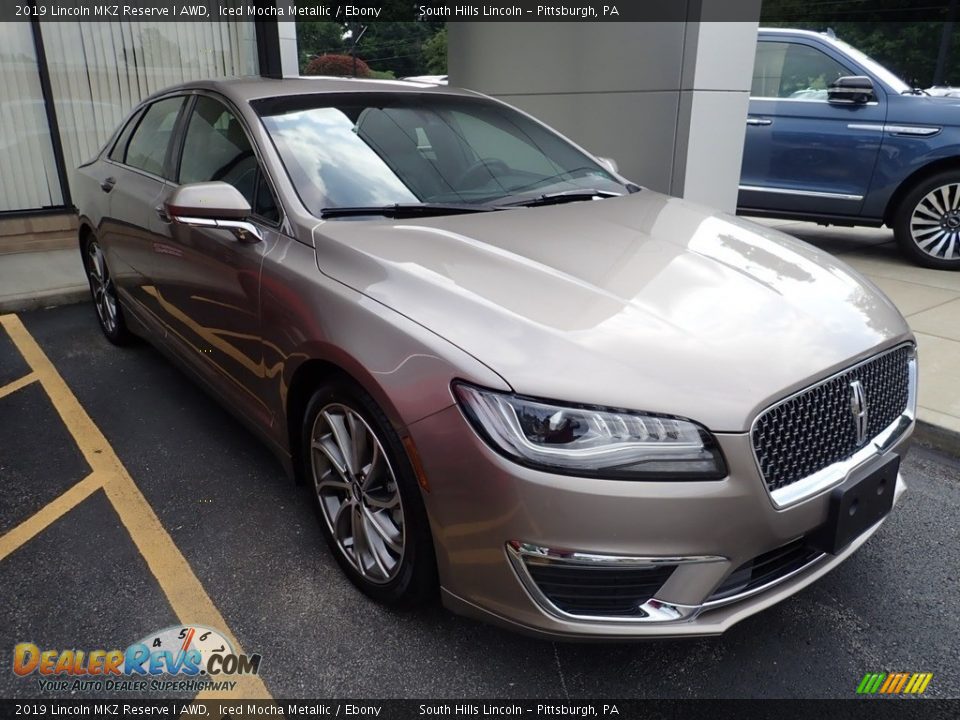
x,y
207,282
803,154
132,227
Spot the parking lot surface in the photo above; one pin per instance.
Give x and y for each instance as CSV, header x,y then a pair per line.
x,y
130,501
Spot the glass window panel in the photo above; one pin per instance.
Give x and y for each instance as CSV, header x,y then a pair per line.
x,y
148,144
119,151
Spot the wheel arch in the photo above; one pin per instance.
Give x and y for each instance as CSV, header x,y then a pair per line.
x,y
309,374
84,233
912,180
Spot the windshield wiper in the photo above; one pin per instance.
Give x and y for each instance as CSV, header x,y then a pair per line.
x,y
557,198
405,210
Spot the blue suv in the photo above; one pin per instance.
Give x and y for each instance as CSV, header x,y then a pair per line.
x,y
834,137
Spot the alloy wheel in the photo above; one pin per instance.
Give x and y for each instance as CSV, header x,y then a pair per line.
x,y
935,222
357,492
101,285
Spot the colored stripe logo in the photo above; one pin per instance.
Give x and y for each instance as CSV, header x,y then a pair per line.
x,y
894,683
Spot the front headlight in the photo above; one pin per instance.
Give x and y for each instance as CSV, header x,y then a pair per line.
x,y
590,441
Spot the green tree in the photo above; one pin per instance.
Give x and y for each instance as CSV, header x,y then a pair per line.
x,y
396,47
319,38
435,53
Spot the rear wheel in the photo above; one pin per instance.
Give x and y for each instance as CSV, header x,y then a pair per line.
x,y
105,301
367,497
927,223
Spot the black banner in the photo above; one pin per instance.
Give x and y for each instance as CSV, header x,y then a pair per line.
x,y
874,709
461,10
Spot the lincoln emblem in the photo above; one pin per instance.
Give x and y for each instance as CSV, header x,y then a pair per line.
x,y
858,408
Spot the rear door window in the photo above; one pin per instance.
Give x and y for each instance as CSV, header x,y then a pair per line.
x,y
120,147
147,149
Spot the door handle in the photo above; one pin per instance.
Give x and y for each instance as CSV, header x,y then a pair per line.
x,y
162,214
759,121
107,185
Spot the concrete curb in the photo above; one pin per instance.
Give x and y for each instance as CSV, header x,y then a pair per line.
x,y
937,438
45,299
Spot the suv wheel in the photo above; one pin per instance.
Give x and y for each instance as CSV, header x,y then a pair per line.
x,y
927,223
367,496
109,312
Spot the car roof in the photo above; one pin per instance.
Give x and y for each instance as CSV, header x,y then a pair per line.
x,y
794,32
245,89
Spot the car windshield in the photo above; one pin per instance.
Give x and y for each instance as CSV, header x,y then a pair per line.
x,y
383,149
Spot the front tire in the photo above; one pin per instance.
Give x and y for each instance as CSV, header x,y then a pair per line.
x,y
104,292
927,222
366,496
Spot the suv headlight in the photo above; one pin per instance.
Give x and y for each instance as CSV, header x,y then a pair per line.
x,y
591,441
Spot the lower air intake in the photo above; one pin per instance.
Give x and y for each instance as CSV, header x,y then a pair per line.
x,y
597,591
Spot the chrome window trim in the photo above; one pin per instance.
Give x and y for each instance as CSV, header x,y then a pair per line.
x,y
138,171
804,193
806,100
655,611
833,475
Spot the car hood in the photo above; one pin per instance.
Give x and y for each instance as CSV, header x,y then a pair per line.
x,y
643,302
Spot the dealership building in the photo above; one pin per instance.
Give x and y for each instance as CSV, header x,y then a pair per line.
x,y
666,100
65,86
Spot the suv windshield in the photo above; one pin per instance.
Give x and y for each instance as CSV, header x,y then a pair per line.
x,y
383,149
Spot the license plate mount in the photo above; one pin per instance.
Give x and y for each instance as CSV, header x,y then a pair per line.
x,y
857,505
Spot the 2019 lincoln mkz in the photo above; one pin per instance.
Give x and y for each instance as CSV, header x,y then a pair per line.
x,y
508,375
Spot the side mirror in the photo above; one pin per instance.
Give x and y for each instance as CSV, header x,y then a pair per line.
x,y
609,164
213,205
851,90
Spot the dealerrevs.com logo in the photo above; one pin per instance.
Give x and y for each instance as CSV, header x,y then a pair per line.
x,y
189,658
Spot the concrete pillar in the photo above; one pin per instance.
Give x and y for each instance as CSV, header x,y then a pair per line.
x,y
666,100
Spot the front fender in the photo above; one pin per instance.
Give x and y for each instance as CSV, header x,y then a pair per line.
x,y
309,317
903,159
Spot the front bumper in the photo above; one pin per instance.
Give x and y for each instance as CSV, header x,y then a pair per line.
x,y
478,502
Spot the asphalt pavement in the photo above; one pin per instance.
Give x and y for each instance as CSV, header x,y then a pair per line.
x,y
251,538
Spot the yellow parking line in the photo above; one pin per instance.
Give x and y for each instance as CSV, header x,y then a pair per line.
x,y
41,520
183,589
17,384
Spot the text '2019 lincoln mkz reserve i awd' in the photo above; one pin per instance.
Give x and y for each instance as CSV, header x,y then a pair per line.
x,y
509,376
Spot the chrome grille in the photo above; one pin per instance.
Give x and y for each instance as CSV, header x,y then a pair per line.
x,y
816,428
